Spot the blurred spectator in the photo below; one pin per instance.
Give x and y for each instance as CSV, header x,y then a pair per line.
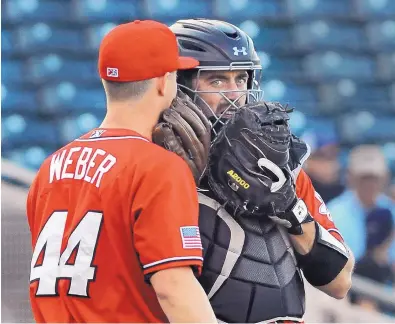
x,y
375,263
367,180
323,166
391,191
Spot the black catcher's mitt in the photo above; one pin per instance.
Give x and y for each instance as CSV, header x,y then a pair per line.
x,y
186,131
248,164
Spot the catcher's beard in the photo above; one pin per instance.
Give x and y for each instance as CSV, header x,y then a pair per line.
x,y
226,107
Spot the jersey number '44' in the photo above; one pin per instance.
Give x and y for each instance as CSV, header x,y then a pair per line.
x,y
55,266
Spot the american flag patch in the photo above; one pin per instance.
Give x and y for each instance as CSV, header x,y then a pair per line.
x,y
190,236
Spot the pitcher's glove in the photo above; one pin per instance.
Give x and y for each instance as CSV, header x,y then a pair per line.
x,y
248,166
186,131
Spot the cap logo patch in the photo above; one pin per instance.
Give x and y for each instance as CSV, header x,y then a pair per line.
x,y
112,72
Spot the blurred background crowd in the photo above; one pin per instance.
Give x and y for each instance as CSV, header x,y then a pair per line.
x,y
333,60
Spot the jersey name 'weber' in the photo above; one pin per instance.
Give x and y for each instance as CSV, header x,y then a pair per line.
x,y
81,163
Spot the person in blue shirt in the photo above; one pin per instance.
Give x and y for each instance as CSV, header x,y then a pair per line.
x,y
375,265
367,179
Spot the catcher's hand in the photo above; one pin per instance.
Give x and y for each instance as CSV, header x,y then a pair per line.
x,y
186,131
248,165
287,209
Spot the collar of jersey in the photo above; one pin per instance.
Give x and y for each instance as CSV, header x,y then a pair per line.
x,y
112,132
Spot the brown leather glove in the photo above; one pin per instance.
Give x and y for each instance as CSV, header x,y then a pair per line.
x,y
186,131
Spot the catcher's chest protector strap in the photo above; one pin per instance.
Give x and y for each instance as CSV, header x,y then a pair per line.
x,y
299,152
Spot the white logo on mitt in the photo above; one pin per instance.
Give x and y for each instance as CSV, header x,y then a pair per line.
x,y
276,185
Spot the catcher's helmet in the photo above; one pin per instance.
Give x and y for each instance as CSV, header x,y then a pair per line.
x,y
217,45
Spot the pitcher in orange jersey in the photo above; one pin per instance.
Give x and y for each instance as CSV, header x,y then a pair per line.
x,y
109,213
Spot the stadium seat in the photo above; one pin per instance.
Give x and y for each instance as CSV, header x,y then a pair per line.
x,y
302,125
55,68
31,157
37,10
247,9
273,39
320,8
77,125
297,122
251,27
293,94
283,67
15,123
165,9
382,35
42,37
322,34
382,130
7,42
95,34
16,99
386,66
19,131
12,71
67,97
332,64
375,8
347,92
364,127
338,107
107,10
297,94
34,156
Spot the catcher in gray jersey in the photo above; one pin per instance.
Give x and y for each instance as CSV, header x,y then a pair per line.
x,y
261,222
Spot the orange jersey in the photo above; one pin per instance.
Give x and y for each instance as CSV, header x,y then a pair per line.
x,y
315,204
105,212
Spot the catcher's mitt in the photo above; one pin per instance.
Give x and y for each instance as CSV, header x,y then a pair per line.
x,y
186,131
248,160
248,166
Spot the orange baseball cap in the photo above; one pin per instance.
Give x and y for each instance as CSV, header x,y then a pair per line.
x,y
140,50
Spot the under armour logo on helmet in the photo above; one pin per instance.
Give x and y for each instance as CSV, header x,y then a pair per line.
x,y
236,51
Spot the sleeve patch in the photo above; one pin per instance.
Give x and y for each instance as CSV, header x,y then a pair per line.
x,y
323,210
190,236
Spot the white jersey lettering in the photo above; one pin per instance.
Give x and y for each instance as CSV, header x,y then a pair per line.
x,y
83,166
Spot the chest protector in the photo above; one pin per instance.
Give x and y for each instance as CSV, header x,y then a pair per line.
x,y
250,273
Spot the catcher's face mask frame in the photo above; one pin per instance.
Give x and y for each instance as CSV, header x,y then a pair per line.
x,y
253,93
